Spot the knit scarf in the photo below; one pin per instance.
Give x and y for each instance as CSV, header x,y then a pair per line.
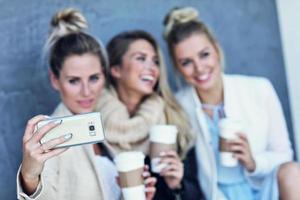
x,y
125,132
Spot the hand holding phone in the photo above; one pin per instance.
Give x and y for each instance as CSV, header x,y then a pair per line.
x,y
85,129
35,154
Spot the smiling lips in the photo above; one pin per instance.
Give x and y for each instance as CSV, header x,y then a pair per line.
x,y
203,78
148,79
85,103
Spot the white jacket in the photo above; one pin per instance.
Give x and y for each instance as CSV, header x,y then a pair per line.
x,y
254,101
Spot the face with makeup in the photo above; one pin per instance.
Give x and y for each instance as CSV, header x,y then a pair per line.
x,y
138,72
80,82
198,60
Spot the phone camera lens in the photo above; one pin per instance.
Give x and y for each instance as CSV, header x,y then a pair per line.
x,y
92,127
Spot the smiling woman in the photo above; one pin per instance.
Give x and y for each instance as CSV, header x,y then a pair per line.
x,y
137,99
138,84
138,75
262,146
80,82
77,71
198,61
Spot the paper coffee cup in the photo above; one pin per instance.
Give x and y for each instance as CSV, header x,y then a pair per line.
x,y
228,131
162,138
130,166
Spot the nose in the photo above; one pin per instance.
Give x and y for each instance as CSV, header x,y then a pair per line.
x,y
198,66
85,89
151,65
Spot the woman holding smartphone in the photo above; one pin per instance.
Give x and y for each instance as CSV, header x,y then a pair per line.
x,y
262,146
138,98
77,71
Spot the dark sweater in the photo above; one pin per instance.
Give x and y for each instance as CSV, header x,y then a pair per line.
x,y
190,187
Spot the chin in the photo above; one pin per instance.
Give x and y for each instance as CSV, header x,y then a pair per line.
x,y
83,110
204,84
145,90
88,109
204,87
148,92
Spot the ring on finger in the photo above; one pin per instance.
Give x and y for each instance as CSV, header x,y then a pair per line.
x,y
44,150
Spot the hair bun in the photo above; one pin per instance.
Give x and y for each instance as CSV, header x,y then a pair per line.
x,y
179,16
64,22
68,21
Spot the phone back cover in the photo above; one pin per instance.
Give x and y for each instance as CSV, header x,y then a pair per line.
x,y
79,126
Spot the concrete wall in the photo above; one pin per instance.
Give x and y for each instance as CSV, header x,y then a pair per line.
x,y
247,30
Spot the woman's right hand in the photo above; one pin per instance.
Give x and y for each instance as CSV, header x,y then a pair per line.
x,y
173,172
35,154
149,183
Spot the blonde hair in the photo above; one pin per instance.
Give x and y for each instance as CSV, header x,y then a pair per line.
x,y
179,16
117,47
68,37
173,111
181,23
64,22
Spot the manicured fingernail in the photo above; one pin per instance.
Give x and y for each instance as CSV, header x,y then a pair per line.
x,y
146,181
58,121
145,174
149,189
162,153
47,117
68,136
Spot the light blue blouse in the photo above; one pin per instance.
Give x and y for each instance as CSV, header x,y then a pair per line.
x,y
231,180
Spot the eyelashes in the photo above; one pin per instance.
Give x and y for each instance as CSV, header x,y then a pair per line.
x,y
93,78
202,55
74,81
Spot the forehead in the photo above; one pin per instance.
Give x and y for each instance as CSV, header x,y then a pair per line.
x,y
81,64
141,45
192,44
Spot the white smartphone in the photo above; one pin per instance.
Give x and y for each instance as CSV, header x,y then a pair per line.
x,y
85,128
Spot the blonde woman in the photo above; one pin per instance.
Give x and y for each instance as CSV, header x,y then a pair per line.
x,y
265,170
77,71
139,97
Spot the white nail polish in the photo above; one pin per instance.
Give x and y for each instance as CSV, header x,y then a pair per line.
x,y
145,174
47,117
162,153
145,182
58,121
68,136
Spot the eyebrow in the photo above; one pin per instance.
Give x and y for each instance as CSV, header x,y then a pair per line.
x,y
204,49
73,76
143,54
138,52
183,59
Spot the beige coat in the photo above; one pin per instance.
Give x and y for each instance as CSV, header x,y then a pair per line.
x,y
69,176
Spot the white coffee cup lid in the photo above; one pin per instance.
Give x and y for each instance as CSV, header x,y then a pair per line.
x,y
163,134
230,123
229,126
130,160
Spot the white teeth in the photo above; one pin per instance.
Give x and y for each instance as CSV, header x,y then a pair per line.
x,y
203,77
147,78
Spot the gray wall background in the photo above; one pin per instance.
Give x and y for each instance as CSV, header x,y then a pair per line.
x,y
247,30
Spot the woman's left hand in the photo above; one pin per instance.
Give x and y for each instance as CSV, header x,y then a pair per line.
x,y
241,149
173,172
149,183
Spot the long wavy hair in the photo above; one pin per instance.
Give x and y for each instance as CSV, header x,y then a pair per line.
x,y
175,115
